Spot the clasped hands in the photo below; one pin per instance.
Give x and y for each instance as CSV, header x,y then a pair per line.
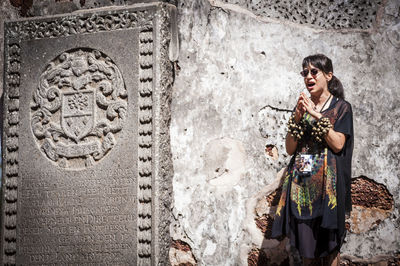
x,y
335,140
304,104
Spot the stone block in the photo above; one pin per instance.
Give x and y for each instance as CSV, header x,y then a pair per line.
x,y
87,172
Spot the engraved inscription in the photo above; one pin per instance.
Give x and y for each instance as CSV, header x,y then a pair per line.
x,y
78,108
89,222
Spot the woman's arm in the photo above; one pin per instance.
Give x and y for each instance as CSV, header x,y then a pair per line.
x,y
335,140
291,144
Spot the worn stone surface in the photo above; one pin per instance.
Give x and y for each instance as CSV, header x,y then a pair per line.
x,y
75,108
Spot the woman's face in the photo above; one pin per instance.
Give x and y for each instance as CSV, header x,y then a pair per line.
x,y
315,80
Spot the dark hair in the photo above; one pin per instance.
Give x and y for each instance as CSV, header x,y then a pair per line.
x,y
324,64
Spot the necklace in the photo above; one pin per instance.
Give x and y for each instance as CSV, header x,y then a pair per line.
x,y
322,108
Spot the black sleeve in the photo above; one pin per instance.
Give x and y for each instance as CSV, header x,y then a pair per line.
x,y
344,124
344,121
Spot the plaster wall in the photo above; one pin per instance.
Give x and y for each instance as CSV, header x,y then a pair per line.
x,y
237,80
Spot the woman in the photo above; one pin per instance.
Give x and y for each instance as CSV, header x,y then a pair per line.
x,y
315,199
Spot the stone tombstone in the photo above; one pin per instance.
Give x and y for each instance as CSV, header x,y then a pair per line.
x,y
87,166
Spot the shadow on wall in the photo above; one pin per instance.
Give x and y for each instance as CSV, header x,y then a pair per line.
x,y
272,251
372,203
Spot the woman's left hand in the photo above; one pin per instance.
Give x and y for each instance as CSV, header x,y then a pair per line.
x,y
309,106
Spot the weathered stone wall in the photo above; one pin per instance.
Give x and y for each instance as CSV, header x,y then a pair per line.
x,y
236,82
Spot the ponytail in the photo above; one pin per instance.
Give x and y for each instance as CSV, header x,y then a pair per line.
x,y
335,87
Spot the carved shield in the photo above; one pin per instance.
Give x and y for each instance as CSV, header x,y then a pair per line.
x,y
77,113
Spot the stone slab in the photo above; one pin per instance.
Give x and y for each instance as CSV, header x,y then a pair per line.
x,y
87,170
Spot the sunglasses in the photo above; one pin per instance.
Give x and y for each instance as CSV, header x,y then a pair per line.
x,y
314,72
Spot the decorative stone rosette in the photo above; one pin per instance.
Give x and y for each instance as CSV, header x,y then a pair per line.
x,y
79,108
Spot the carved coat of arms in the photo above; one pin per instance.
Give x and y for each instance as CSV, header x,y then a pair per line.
x,y
78,108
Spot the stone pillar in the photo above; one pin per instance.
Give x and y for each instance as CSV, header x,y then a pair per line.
x,y
87,166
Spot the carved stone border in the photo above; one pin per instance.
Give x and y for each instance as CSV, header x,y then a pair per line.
x,y
145,114
154,157
10,151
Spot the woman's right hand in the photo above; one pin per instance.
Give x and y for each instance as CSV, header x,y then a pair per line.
x,y
300,109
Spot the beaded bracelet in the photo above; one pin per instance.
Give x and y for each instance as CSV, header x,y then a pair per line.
x,y
296,129
320,128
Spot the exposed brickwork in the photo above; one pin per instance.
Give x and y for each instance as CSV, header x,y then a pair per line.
x,y
265,223
367,193
257,257
183,253
181,245
272,151
273,198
